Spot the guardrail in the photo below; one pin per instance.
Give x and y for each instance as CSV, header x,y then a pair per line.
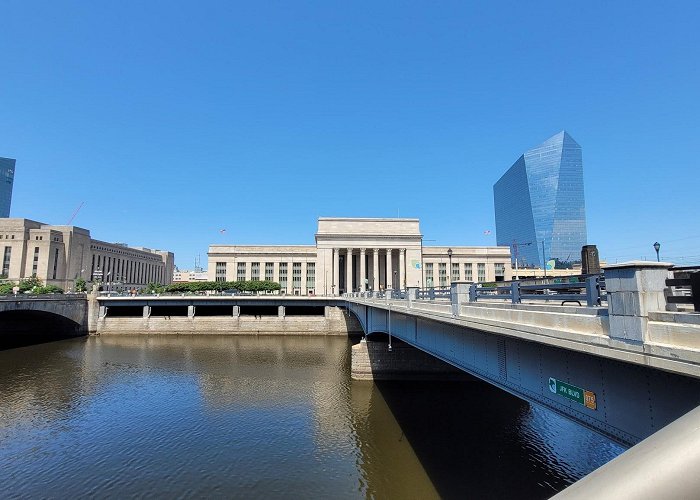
x,y
684,287
577,289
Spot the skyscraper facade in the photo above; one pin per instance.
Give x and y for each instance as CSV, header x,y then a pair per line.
x,y
539,204
7,179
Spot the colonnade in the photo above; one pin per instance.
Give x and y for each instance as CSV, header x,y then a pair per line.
x,y
383,273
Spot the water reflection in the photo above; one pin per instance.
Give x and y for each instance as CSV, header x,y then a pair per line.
x,y
265,417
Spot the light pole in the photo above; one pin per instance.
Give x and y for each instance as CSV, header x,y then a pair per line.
x,y
515,251
449,271
657,247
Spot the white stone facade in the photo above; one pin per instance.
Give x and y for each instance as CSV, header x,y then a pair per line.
x,y
359,255
59,255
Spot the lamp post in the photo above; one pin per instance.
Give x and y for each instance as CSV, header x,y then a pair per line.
x,y
449,271
657,247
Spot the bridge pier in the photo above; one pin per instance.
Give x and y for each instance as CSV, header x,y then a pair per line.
x,y
372,360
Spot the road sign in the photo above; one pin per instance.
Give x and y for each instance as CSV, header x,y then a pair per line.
x,y
572,392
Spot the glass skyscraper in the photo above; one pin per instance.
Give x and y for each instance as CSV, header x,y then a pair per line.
x,y
7,179
539,201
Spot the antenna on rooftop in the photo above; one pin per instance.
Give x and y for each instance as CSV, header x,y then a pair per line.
x,y
75,213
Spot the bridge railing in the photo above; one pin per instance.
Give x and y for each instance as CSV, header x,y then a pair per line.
x,y
683,288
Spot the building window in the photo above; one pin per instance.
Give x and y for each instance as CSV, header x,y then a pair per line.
x,y
455,271
429,279
35,262
481,272
269,271
255,271
296,275
240,271
55,263
310,275
499,271
6,262
220,271
468,272
283,275
442,273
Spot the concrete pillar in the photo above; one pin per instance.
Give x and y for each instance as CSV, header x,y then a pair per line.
x,y
190,311
335,286
459,294
236,311
389,271
634,289
402,269
348,271
103,311
363,271
280,311
411,295
146,311
375,270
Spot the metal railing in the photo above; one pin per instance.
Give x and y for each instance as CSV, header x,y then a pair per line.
x,y
588,289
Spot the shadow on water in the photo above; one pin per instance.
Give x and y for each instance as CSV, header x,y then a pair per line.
x,y
25,328
474,440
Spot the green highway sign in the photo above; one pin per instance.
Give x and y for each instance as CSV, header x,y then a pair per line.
x,y
572,392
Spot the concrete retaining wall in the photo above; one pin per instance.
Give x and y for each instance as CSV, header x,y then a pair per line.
x,y
335,322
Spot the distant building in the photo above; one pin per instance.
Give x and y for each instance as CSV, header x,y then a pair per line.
x,y
359,254
7,179
540,201
61,254
184,276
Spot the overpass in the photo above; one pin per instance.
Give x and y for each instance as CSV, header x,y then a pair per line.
x,y
626,369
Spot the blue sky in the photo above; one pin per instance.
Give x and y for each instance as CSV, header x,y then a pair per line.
x,y
172,120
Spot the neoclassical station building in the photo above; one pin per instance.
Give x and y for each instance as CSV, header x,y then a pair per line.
x,y
353,254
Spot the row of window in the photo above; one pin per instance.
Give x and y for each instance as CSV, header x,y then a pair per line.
x,y
110,269
283,267
499,272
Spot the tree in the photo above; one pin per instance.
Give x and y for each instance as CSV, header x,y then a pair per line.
x,y
80,285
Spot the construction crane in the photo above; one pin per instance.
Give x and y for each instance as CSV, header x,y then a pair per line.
x,y
75,213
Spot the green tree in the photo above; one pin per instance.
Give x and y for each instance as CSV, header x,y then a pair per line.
x,y
80,285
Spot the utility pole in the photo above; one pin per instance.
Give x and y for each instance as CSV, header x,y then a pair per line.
x,y
544,260
515,251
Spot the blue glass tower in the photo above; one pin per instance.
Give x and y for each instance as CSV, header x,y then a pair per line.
x,y
7,179
540,200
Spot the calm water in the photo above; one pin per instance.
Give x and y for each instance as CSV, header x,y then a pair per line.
x,y
266,417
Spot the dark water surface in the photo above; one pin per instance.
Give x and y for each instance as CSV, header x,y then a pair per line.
x,y
266,417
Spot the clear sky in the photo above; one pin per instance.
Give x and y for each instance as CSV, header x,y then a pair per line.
x,y
172,120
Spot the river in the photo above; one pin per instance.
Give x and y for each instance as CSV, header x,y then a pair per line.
x,y
266,417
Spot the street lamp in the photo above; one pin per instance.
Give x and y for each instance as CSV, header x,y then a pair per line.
x,y
657,247
449,271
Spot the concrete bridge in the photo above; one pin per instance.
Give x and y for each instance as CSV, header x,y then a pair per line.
x,y
625,370
26,319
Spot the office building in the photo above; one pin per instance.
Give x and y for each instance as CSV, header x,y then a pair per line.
x,y
539,204
7,179
59,255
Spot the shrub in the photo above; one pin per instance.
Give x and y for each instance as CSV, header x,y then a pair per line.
x,y
80,285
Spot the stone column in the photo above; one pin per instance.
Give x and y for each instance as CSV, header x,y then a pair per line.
x,y
634,289
363,270
389,271
348,271
335,285
375,270
402,269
